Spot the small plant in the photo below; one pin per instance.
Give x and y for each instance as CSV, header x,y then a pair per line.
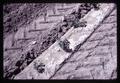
x,y
19,63
77,24
96,6
65,45
39,67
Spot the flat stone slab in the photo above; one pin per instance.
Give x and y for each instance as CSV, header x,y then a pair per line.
x,y
49,61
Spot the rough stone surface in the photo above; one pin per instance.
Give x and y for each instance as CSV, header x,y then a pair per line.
x,y
53,58
43,39
97,58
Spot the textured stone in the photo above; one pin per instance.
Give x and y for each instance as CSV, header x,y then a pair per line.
x,y
84,64
98,55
